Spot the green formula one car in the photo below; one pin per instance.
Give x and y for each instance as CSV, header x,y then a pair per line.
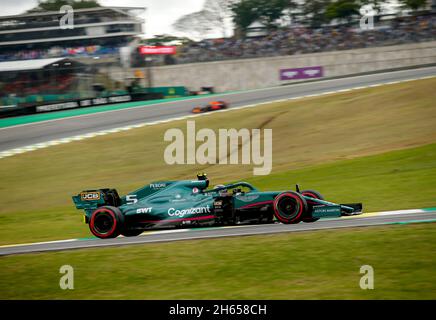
x,y
189,203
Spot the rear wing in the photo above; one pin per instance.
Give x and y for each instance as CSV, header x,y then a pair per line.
x,y
89,200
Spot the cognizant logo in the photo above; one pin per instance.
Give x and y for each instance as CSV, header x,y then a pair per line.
x,y
181,213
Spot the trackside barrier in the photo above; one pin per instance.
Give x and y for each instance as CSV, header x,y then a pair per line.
x,y
12,111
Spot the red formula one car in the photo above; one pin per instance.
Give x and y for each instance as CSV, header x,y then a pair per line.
x,y
212,106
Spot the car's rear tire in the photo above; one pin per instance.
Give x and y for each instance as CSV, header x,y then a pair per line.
x,y
106,222
310,204
289,207
132,232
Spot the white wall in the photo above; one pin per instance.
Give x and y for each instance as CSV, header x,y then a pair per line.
x,y
264,72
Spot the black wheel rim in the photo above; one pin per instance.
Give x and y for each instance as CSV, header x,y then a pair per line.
x,y
103,223
288,207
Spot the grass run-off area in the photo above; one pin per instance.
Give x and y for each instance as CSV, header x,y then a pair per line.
x,y
303,265
370,145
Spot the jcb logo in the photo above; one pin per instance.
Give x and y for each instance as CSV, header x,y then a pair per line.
x,y
89,196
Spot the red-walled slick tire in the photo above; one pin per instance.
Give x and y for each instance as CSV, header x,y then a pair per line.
x,y
106,222
289,207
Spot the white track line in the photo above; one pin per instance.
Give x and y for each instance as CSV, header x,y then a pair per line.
x,y
12,152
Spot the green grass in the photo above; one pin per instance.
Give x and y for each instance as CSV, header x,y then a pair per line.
x,y
341,145
314,265
393,180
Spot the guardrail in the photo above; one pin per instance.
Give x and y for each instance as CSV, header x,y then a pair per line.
x,y
12,111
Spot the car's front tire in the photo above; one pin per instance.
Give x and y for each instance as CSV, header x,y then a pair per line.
x,y
106,222
289,207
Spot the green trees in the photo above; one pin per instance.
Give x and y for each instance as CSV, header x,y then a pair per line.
x,y
413,4
55,5
272,10
267,12
244,13
313,13
342,10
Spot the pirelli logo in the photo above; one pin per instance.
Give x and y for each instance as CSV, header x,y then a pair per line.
x,y
90,196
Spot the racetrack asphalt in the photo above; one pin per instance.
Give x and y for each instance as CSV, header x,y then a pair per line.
x,y
39,132
371,219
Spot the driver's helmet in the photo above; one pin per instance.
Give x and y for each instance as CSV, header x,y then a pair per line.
x,y
201,176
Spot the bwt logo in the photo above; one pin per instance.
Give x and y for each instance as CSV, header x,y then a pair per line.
x,y
222,150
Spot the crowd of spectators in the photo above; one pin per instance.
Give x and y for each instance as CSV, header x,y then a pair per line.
x,y
57,51
28,84
296,40
283,41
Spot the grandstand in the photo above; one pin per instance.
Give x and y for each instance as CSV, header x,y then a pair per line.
x,y
99,31
37,76
298,39
39,80
40,62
